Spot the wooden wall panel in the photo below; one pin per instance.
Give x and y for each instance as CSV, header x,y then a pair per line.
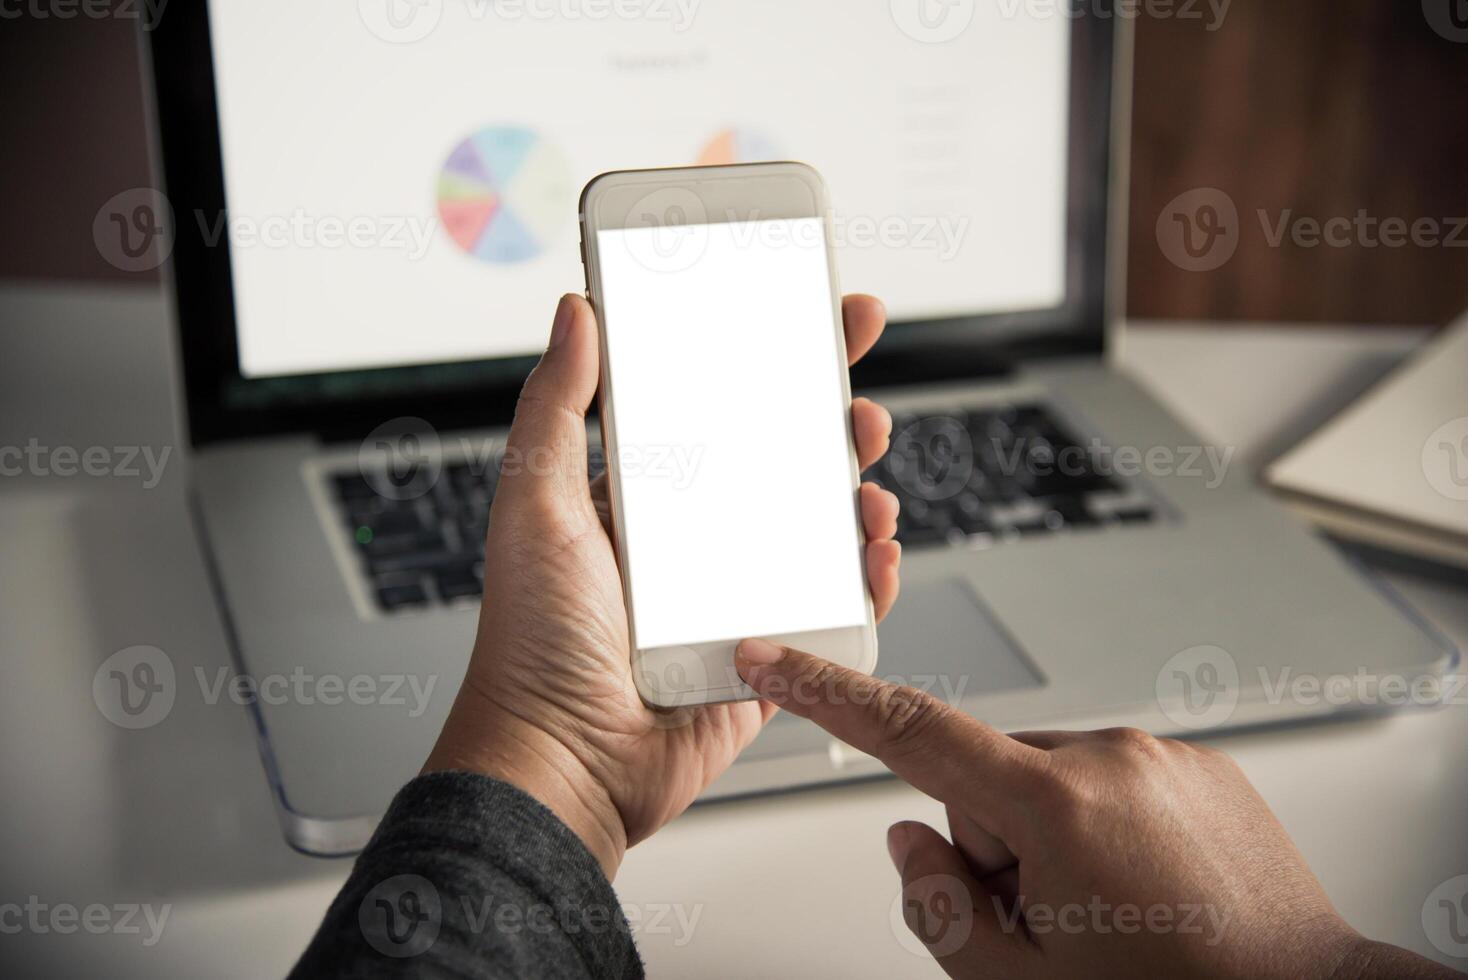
x,y
1319,107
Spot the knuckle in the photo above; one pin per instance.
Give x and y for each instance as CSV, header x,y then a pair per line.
x,y
907,715
818,682
1133,743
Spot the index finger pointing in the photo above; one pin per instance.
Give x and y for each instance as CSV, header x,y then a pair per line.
x,y
930,744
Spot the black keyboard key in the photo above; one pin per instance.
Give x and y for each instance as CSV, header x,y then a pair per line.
x,y
404,552
974,525
990,490
919,536
415,538
914,510
969,505
390,523
971,516
1134,515
1074,512
1030,526
938,518
410,561
1050,484
401,596
458,582
464,474
352,487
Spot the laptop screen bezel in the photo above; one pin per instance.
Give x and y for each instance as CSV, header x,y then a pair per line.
x,y
224,405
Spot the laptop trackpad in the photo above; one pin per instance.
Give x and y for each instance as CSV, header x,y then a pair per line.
x,y
942,639
939,638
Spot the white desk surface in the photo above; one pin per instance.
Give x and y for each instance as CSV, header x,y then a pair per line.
x,y
797,884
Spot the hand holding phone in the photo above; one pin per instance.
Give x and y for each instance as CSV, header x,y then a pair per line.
x,y
733,475
548,703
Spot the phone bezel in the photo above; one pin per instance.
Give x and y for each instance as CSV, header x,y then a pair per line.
x,y
739,192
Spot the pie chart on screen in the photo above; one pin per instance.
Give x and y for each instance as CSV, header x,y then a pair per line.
x,y
504,195
738,146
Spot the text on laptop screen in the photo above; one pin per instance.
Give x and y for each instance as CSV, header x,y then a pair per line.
x,y
402,177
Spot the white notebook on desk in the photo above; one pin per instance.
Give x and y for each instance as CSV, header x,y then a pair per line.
x,y
1392,470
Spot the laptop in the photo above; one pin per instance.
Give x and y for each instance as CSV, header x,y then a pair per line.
x,y
374,212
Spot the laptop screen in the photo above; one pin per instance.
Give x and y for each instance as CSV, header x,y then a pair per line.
x,y
402,176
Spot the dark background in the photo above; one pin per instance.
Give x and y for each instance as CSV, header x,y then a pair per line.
x,y
1325,107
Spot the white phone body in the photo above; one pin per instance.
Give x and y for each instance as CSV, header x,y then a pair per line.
x,y
723,354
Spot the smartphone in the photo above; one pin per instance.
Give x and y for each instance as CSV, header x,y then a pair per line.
x,y
725,409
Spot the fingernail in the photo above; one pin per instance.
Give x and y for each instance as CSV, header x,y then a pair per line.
x,y
897,836
562,324
760,652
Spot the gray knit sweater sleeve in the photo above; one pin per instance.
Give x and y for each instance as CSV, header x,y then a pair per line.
x,y
470,877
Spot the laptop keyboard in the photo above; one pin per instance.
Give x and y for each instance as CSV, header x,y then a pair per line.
x,y
998,473
420,536
989,474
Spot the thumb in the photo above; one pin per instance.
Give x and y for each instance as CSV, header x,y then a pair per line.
x,y
546,453
953,914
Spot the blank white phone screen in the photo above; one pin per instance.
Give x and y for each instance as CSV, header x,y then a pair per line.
x,y
738,503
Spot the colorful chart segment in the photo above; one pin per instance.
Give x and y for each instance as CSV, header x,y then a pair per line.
x,y
503,193
738,146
